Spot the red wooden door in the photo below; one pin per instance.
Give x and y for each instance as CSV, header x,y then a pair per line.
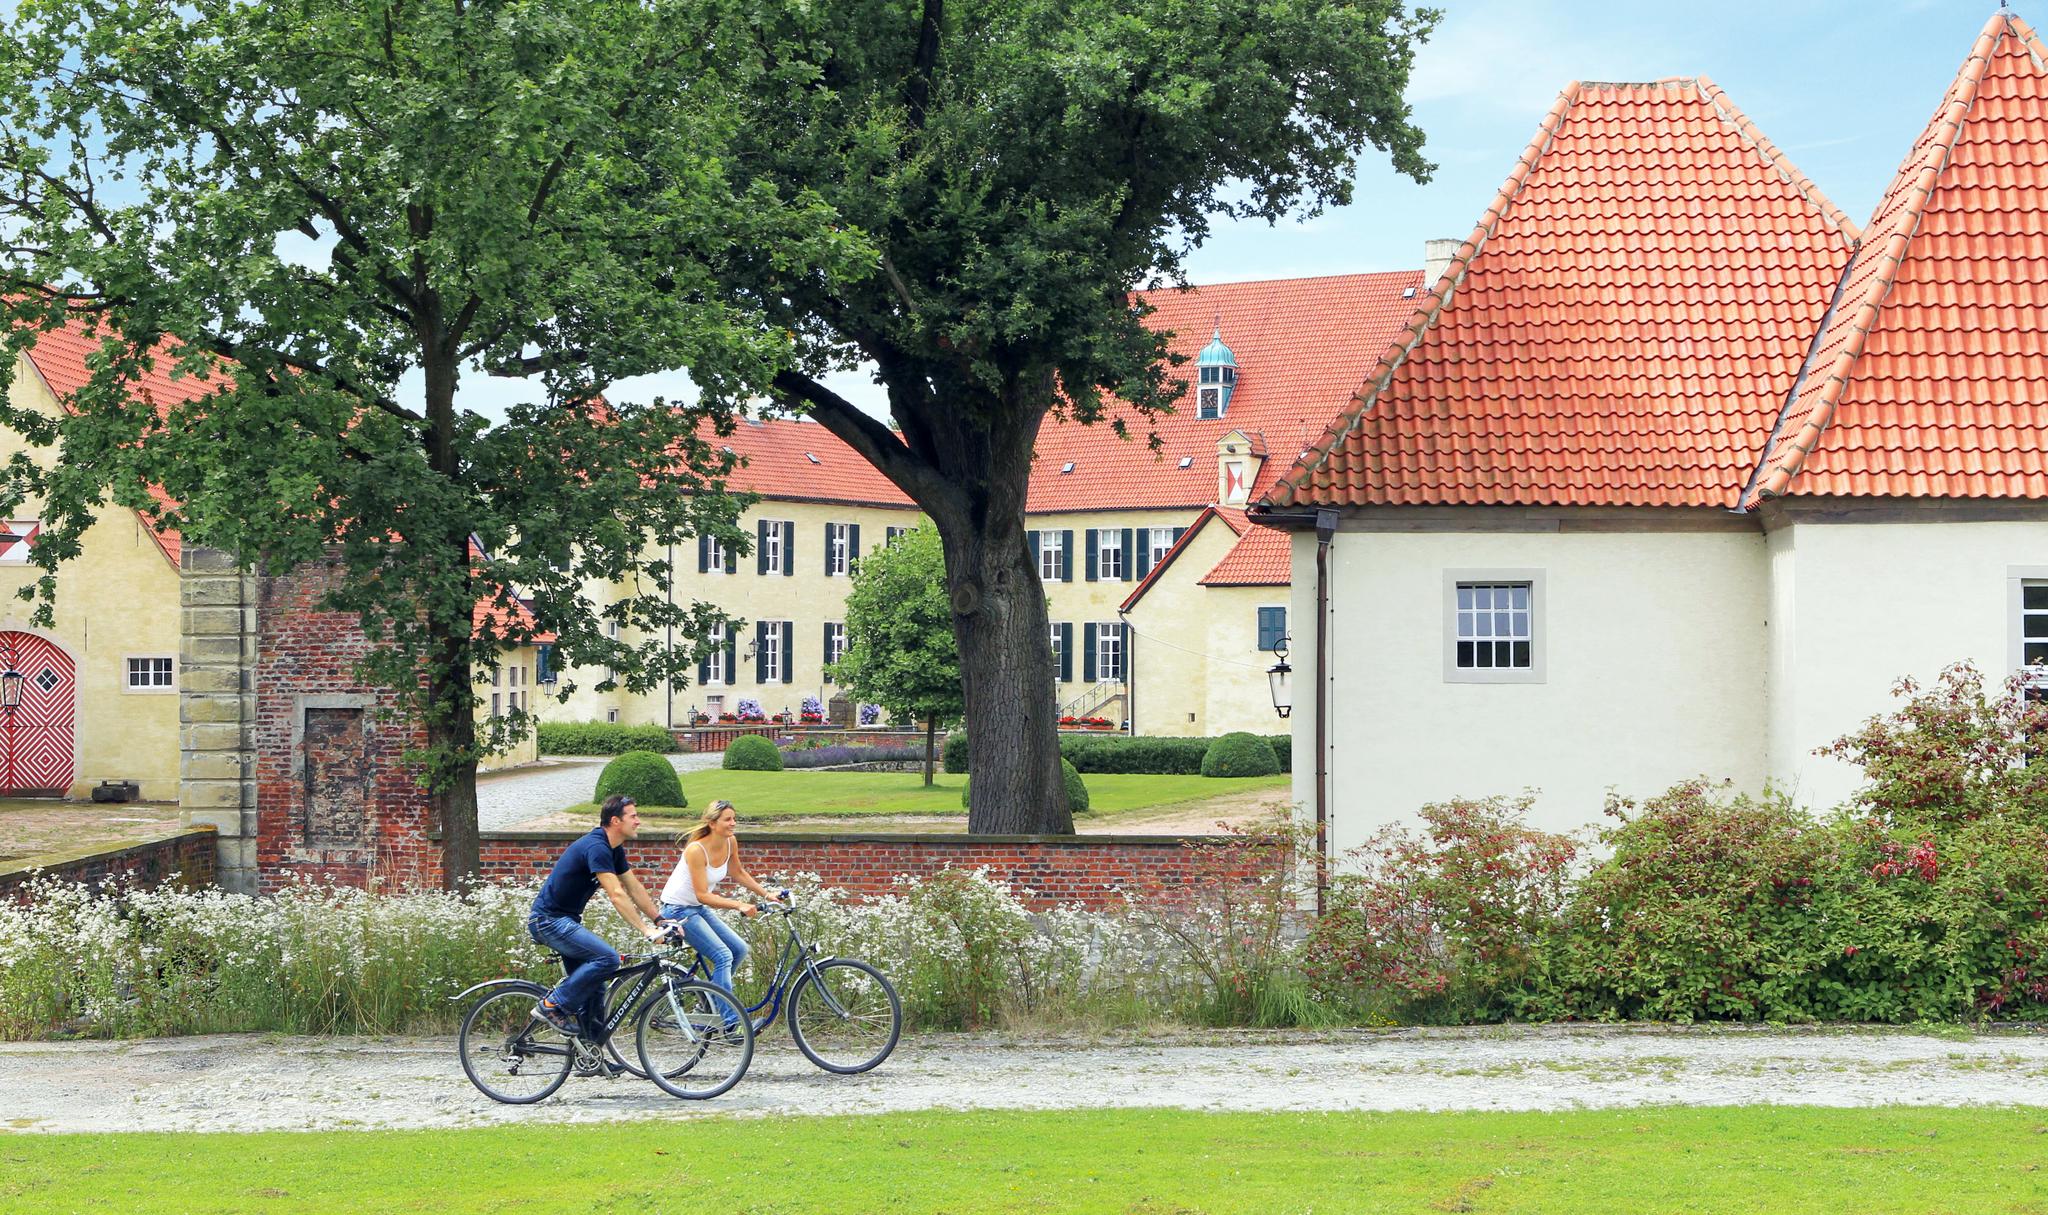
x,y
38,753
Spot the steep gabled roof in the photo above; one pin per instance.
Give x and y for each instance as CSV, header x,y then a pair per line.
x,y
1621,327
1262,556
1930,378
1221,514
1301,346
59,357
801,461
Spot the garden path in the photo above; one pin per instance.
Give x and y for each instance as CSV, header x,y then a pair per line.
x,y
250,1082
514,795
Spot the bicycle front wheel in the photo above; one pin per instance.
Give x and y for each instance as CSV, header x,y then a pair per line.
x,y
509,1053
694,1038
845,1016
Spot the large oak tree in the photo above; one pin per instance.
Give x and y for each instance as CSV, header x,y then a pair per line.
x,y
331,208
1022,166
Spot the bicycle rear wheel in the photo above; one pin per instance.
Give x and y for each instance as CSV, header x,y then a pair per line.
x,y
694,1038
845,1016
509,1053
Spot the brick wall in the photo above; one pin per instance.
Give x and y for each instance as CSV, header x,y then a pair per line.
x,y
718,738
1088,870
186,854
334,799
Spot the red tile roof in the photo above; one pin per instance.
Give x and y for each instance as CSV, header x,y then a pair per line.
x,y
59,356
1301,344
1931,377
1620,329
1262,556
802,461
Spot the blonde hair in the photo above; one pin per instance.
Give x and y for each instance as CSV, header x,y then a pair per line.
x,y
706,820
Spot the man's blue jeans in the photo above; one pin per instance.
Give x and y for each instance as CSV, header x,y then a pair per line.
x,y
710,937
582,992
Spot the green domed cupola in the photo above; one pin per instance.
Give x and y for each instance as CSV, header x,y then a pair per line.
x,y
1216,377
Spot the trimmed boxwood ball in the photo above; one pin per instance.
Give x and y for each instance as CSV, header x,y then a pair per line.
x,y
1240,754
647,778
752,753
1077,789
955,752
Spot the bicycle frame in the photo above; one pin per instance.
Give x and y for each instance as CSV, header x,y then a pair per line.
x,y
795,958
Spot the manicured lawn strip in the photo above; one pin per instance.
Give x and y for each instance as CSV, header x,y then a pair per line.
x,y
1785,1161
766,796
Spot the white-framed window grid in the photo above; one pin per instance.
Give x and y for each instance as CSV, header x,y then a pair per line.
x,y
771,654
1052,556
1109,650
835,641
771,548
1493,626
1158,540
1109,554
496,710
1053,631
150,673
714,557
715,671
611,717
837,540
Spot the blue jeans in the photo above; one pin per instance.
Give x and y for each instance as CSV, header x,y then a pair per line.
x,y
717,943
582,992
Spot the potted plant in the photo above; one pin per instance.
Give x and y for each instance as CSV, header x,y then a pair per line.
x,y
812,713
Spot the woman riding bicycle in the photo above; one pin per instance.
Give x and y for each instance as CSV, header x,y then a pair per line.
x,y
711,854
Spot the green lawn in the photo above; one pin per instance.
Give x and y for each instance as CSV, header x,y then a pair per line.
x,y
766,796
1784,1161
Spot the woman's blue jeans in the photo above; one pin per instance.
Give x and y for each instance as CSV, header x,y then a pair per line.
x,y
710,937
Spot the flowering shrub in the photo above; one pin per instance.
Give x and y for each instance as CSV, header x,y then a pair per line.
x,y
812,711
847,753
870,714
750,710
1952,755
1445,923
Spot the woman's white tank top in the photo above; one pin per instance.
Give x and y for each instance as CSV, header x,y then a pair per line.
x,y
682,891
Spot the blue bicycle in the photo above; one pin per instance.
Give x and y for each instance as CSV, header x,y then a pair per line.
x,y
843,1014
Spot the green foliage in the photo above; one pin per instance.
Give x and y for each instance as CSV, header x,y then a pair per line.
x,y
601,738
644,776
900,650
954,755
1077,792
1240,754
751,753
1445,924
1151,755
314,203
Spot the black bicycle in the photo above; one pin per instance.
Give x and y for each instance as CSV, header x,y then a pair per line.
x,y
691,1036
843,1014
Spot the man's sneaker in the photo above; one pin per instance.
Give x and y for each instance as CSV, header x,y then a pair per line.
x,y
561,1018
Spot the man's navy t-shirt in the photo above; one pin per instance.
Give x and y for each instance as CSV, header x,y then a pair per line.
x,y
574,877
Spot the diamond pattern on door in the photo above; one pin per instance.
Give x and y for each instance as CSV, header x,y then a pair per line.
x,y
37,751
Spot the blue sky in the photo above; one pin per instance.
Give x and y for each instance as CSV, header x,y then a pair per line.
x,y
1842,89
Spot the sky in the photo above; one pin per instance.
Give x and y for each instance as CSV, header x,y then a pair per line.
x,y
1842,89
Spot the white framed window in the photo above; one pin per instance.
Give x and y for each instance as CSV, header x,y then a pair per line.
x,y
1109,650
713,706
1158,540
838,549
1056,634
771,655
151,674
2027,608
714,556
1109,555
835,640
1052,556
714,667
772,552
889,534
495,710
1493,621
497,677
611,717
16,538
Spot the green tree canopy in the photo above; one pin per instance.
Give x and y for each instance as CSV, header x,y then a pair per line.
x,y
1022,166
330,207
900,649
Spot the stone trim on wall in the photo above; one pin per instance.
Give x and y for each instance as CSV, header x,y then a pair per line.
x,y
217,658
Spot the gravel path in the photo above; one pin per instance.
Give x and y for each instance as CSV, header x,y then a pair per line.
x,y
248,1082
510,797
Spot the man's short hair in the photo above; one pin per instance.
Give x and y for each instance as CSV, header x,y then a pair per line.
x,y
613,807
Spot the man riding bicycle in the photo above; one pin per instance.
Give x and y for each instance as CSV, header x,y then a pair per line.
x,y
597,860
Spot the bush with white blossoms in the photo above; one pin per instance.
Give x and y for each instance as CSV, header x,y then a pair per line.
x,y
114,961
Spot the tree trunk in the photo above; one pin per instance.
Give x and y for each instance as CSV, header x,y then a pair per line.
x,y
931,730
451,709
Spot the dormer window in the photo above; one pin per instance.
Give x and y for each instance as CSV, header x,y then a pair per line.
x,y
1215,377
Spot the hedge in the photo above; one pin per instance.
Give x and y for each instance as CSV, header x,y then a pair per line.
x,y
601,738
751,753
1240,754
1143,756
645,777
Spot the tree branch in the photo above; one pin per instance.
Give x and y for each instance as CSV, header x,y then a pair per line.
x,y
917,89
876,444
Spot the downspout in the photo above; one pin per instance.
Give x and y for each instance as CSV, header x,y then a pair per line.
x,y
668,681
1130,674
1326,528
